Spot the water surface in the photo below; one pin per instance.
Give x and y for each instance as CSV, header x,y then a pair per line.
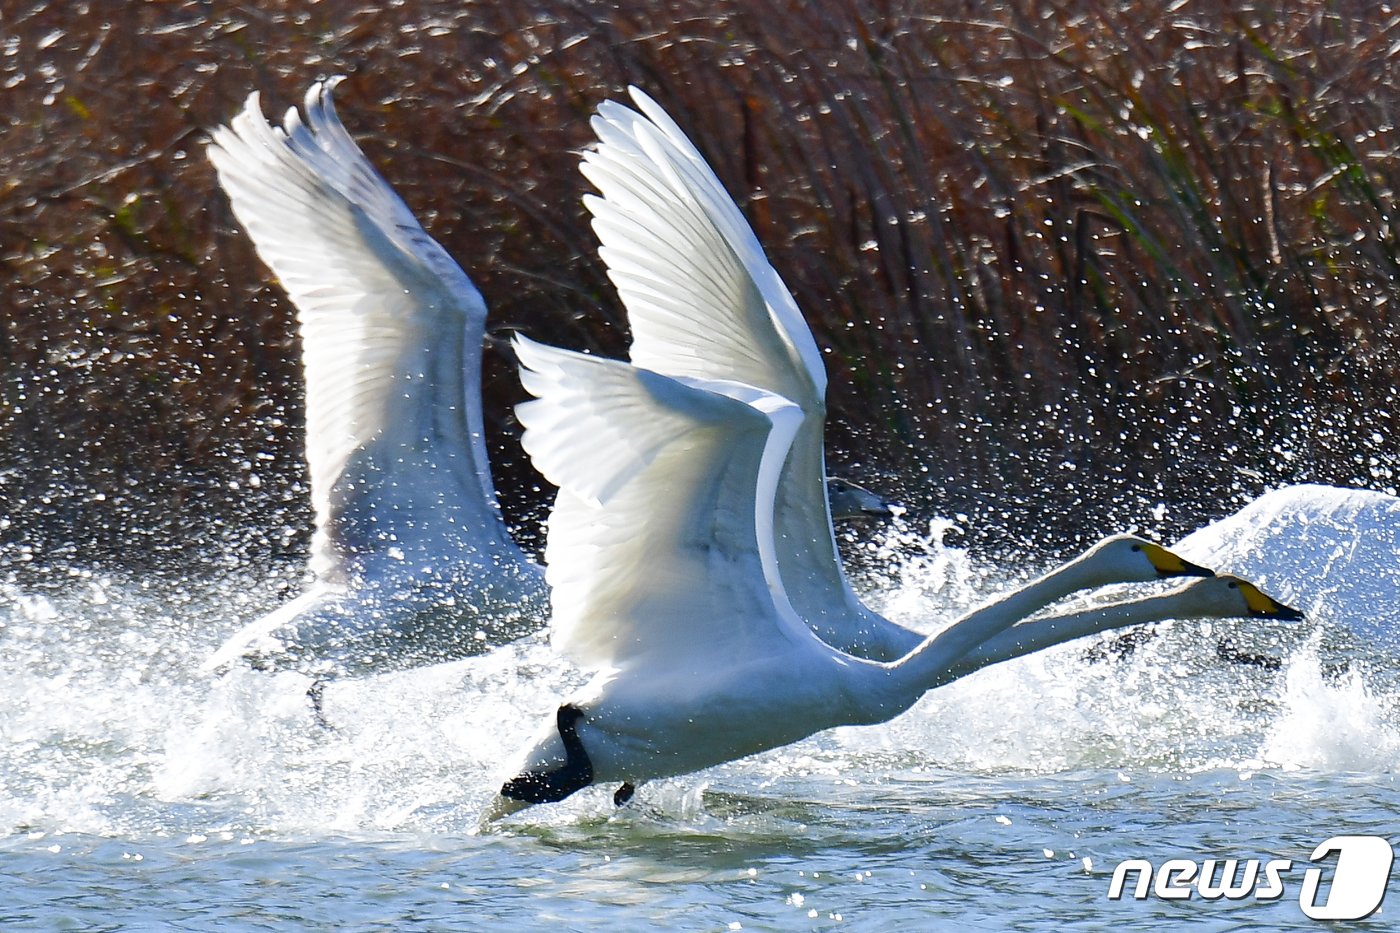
x,y
135,794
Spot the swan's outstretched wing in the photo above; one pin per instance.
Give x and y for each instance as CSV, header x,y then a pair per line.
x,y
659,542
702,299
391,331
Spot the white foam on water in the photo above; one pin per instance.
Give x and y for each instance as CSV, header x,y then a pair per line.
x,y
105,726
1332,720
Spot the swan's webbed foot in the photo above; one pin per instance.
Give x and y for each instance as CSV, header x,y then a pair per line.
x,y
544,786
551,786
623,793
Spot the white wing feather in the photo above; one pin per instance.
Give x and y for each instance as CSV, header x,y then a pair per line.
x,y
703,301
655,542
390,326
701,297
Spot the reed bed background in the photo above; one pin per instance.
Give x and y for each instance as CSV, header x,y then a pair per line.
x,y
1076,265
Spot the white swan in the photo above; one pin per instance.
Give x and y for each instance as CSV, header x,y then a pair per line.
x,y
704,302
412,562
663,564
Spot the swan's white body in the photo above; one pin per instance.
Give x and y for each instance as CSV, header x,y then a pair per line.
x,y
412,562
1334,553
664,567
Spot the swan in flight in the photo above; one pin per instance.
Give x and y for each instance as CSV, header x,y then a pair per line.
x,y
662,557
411,560
703,302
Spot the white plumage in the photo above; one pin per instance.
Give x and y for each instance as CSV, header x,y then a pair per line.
x,y
661,554
704,302
412,562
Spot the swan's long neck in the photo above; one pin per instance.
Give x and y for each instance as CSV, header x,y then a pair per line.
x,y
1039,634
995,617
891,688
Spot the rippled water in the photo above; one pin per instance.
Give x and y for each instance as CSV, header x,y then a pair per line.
x,y
135,794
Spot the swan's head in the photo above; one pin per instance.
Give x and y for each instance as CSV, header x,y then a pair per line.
x,y
849,500
1128,558
1252,601
1239,598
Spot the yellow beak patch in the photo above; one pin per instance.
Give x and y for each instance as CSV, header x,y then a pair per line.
x,y
1261,604
1170,565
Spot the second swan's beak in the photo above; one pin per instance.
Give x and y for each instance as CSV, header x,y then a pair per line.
x,y
1170,565
1263,606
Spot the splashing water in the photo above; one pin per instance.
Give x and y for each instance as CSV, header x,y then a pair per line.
x,y
1333,720
114,747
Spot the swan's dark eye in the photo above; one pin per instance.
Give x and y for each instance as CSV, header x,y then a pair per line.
x,y
1234,585
1136,548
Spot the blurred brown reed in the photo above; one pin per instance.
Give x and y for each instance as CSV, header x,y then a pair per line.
x,y
1068,260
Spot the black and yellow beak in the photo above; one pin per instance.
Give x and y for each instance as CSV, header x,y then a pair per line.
x,y
1264,606
1170,565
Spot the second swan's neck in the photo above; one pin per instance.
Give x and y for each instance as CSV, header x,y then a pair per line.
x,y
892,688
1000,614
